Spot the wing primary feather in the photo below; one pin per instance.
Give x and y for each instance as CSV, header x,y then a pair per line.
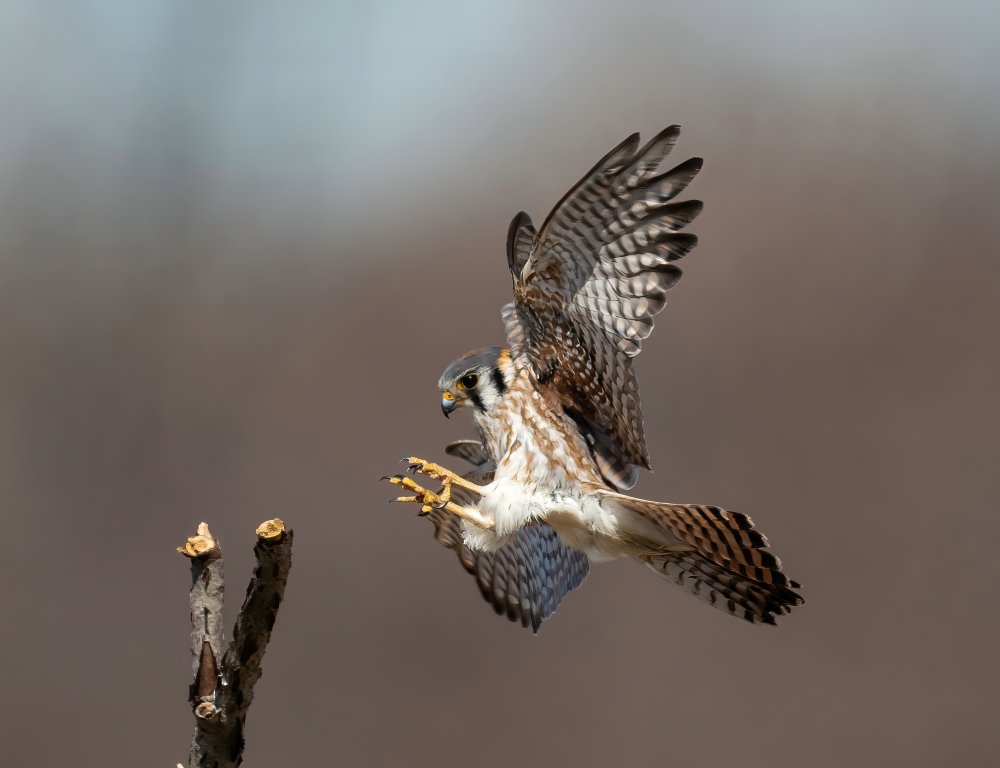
x,y
648,159
612,161
520,238
674,216
665,187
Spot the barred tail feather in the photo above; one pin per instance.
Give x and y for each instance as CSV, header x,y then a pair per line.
x,y
715,554
730,592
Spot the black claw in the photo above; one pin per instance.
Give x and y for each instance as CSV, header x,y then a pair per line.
x,y
440,506
422,514
414,467
385,477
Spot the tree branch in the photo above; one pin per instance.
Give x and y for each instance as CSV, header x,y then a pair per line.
x,y
223,678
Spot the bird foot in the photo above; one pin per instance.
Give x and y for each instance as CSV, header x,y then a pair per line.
x,y
429,500
445,476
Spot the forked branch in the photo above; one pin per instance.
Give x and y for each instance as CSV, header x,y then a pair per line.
x,y
223,679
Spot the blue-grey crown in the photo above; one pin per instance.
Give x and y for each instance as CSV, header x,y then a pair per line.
x,y
478,359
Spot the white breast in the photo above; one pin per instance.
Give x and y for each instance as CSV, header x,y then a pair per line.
x,y
512,505
580,519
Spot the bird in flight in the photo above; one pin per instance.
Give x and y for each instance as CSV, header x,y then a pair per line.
x,y
560,428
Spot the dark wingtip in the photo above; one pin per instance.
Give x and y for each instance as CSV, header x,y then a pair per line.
x,y
618,156
671,132
515,224
515,260
632,140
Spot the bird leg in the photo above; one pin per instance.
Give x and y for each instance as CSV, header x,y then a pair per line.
x,y
445,476
442,500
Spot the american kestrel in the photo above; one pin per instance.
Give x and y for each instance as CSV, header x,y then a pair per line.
x,y
561,432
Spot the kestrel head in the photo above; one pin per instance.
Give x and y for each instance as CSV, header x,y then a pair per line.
x,y
479,378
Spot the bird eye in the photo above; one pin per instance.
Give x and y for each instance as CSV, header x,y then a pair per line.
x,y
468,381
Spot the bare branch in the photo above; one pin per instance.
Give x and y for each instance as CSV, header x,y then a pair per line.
x,y
223,679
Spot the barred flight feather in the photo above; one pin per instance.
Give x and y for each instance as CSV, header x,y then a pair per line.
x,y
590,282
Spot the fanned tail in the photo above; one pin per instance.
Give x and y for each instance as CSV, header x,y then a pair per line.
x,y
716,555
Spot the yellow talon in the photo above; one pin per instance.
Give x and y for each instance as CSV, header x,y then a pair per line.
x,y
431,501
445,476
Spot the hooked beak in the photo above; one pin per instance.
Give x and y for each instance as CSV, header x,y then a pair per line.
x,y
448,403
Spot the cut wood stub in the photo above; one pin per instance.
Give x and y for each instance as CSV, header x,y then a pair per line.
x,y
202,544
271,530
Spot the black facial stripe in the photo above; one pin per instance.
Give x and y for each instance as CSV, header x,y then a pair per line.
x,y
477,400
498,381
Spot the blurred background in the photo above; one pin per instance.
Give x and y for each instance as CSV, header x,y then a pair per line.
x,y
239,242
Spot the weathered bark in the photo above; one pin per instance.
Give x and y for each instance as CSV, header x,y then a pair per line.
x,y
223,678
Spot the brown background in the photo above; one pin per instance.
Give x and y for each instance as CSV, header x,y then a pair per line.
x,y
238,243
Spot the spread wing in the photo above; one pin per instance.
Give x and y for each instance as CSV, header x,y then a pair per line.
x,y
527,578
588,285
